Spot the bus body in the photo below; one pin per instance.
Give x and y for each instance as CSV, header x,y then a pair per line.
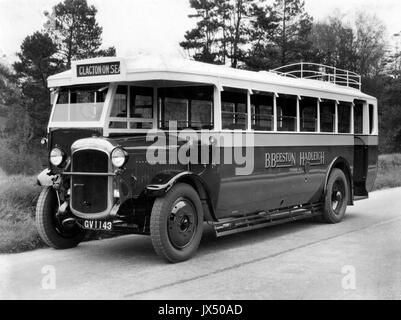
x,y
154,146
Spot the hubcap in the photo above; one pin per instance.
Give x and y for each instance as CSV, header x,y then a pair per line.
x,y
182,223
337,196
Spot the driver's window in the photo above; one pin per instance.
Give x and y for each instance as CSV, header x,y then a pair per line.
x,y
120,103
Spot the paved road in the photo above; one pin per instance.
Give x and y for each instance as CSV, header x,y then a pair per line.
x,y
358,259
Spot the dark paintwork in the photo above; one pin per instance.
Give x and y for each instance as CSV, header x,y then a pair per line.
x,y
230,195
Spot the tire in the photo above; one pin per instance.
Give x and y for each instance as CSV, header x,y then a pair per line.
x,y
176,224
336,197
49,228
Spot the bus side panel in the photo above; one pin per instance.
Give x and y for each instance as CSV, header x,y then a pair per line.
x,y
294,180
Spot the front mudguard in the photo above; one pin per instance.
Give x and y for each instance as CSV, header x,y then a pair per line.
x,y
47,179
163,182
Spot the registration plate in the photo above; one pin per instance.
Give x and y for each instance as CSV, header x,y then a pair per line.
x,y
98,225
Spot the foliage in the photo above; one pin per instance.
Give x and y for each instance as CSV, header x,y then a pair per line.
x,y
18,196
71,32
389,172
221,31
72,25
36,63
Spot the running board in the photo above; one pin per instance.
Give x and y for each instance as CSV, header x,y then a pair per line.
x,y
266,219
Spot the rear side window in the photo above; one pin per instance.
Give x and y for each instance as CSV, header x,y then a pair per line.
x,y
262,111
327,115
371,118
287,113
358,118
308,113
344,117
234,113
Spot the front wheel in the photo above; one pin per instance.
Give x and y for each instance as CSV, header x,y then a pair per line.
x,y
336,198
176,224
50,229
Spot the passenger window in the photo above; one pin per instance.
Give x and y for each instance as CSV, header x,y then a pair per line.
x,y
119,108
262,112
308,113
358,118
175,110
327,115
141,103
234,113
371,118
63,97
190,107
287,113
201,114
344,117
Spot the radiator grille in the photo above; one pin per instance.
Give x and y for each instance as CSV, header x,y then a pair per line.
x,y
89,194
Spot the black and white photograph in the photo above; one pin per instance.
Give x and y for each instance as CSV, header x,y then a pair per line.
x,y
221,151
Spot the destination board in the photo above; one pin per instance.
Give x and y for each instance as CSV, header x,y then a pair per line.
x,y
98,69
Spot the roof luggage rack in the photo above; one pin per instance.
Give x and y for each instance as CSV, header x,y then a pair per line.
x,y
315,71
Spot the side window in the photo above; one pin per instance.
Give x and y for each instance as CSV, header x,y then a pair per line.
x,y
234,110
174,109
308,114
119,108
262,111
63,96
327,115
141,107
344,117
190,107
287,113
201,114
358,118
371,118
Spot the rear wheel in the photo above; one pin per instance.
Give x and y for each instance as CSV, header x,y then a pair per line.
x,y
336,198
50,229
176,223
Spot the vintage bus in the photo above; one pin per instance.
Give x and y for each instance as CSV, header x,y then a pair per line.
x,y
160,147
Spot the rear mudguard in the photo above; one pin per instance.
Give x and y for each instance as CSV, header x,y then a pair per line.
x,y
164,181
343,164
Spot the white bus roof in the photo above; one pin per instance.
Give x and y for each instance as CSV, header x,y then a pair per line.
x,y
163,70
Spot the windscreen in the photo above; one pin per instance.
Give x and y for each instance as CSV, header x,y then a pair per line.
x,y
80,103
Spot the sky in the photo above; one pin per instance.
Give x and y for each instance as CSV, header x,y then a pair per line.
x,y
157,26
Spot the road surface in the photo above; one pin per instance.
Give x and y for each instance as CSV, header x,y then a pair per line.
x,y
358,259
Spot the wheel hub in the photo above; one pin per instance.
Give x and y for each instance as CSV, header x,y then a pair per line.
x,y
182,223
337,196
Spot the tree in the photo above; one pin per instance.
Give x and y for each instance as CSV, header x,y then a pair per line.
x,y
37,61
201,41
334,43
359,47
293,30
73,26
370,44
280,34
221,31
262,53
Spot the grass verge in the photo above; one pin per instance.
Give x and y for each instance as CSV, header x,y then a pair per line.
x,y
389,173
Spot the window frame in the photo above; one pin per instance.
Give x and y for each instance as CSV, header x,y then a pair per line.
x,y
128,120
161,105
